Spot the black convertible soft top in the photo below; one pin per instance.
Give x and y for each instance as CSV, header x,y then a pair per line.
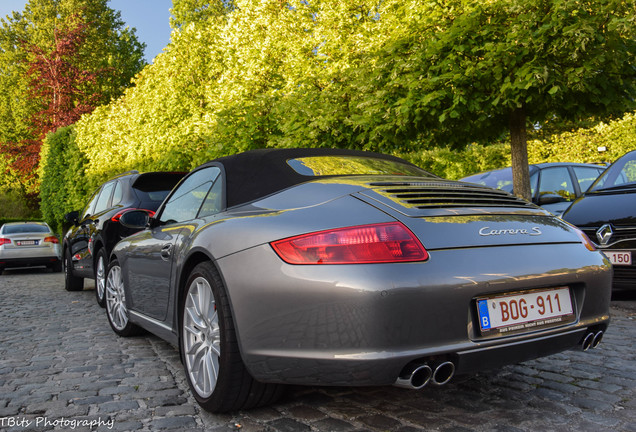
x,y
257,173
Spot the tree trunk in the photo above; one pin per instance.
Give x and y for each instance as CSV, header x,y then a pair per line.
x,y
519,154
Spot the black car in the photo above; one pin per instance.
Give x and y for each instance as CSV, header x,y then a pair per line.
x,y
607,214
96,229
554,185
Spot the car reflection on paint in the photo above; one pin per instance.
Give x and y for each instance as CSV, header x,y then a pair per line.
x,y
607,214
338,267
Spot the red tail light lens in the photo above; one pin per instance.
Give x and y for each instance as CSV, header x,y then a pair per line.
x,y
378,243
4,241
51,239
118,215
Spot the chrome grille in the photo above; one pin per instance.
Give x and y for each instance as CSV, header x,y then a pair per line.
x,y
618,235
426,195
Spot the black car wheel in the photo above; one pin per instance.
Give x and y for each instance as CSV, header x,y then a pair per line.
x,y
71,283
213,365
116,309
100,277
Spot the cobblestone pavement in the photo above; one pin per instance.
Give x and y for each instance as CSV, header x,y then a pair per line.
x,y
62,368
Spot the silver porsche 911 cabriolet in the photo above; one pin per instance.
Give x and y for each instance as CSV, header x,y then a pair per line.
x,y
338,267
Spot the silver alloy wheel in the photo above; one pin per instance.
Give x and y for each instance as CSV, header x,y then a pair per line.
x,y
116,299
201,337
100,277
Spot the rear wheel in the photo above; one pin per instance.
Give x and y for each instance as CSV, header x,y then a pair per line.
x,y
71,283
213,365
100,277
116,309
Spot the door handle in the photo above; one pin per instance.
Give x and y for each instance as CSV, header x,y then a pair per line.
x,y
166,251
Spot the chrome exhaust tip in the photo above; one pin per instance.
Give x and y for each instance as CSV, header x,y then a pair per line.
x,y
443,373
587,341
415,377
598,337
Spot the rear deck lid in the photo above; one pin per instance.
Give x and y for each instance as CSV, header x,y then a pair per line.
x,y
447,214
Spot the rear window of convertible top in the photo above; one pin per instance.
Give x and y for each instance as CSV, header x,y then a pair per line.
x,y
317,166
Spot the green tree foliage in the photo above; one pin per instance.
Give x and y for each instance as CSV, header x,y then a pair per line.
x,y
63,186
477,69
55,80
93,56
396,76
614,138
185,12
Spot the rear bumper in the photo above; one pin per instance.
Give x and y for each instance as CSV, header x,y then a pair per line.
x,y
383,368
29,262
362,324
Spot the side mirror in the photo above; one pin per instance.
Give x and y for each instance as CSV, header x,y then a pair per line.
x,y
550,199
72,217
135,219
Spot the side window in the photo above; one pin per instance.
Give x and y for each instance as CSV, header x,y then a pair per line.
x,y
586,176
213,202
104,198
88,210
557,181
534,179
118,194
189,197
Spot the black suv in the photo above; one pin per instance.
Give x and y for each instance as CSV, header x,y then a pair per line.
x,y
95,230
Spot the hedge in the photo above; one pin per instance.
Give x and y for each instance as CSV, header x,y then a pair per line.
x,y
68,178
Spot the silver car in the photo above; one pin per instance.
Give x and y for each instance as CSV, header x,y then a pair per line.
x,y
336,267
28,244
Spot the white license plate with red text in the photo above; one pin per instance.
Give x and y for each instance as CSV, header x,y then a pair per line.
x,y
525,311
619,257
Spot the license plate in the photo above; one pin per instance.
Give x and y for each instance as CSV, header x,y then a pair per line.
x,y
619,257
27,242
515,313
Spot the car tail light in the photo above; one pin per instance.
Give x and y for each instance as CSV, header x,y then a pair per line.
x,y
51,239
377,243
4,241
118,215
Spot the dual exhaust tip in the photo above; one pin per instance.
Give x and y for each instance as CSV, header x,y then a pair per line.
x,y
416,376
591,340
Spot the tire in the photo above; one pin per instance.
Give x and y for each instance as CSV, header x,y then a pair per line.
x,y
100,277
115,297
71,283
209,348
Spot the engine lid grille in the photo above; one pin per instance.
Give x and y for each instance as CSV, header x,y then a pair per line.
x,y
437,195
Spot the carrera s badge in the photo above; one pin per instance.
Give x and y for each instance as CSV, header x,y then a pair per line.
x,y
487,231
